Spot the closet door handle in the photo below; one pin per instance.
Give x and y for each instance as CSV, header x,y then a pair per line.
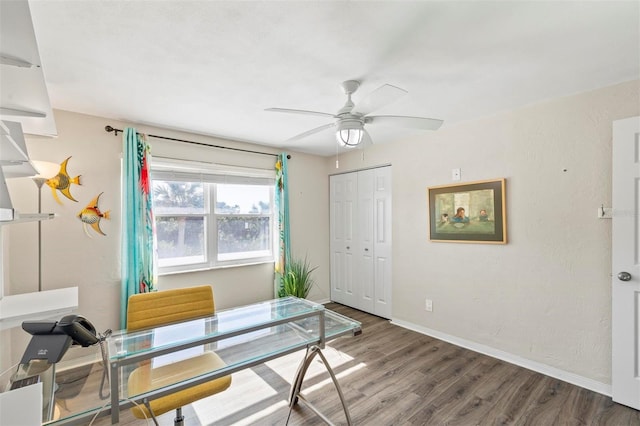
x,y
348,247
366,249
624,276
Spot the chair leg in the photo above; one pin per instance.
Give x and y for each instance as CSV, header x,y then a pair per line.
x,y
179,420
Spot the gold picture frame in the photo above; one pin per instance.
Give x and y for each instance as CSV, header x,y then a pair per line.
x,y
470,212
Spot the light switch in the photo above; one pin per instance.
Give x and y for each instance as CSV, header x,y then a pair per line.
x,y
455,174
605,213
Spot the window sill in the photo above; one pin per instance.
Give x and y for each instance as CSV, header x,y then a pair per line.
x,y
213,268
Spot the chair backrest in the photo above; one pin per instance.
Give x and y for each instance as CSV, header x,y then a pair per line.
x,y
147,310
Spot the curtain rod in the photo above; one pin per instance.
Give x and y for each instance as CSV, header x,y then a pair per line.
x,y
116,131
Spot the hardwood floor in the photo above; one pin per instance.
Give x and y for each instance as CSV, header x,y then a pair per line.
x,y
394,376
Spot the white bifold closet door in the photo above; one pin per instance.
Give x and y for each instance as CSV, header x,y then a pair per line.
x,y
343,200
361,240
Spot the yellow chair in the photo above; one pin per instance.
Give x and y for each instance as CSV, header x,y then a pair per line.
x,y
147,310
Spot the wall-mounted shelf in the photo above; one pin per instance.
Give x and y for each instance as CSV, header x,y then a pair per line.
x,y
26,217
23,91
35,306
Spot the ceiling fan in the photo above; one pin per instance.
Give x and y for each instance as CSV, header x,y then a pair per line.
x,y
350,120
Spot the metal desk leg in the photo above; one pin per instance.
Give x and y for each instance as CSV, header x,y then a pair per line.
x,y
295,395
114,379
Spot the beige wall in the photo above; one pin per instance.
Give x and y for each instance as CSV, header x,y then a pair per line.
x,y
545,296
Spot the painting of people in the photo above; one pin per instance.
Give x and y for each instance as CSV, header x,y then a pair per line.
x,y
468,212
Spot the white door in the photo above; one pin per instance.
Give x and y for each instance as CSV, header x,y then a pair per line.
x,y
361,240
365,277
625,323
382,241
343,192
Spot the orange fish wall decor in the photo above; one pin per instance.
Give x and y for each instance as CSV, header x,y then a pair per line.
x,y
62,182
91,215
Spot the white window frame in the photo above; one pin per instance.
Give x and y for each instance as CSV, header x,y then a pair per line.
x,y
212,174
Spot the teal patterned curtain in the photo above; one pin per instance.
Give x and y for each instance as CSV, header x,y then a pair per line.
x,y
282,208
139,273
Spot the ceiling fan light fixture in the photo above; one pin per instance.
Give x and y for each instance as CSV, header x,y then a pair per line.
x,y
349,133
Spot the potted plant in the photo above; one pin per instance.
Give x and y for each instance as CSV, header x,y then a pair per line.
x,y
296,280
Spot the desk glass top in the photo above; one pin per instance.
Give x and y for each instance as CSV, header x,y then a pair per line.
x,y
241,337
288,318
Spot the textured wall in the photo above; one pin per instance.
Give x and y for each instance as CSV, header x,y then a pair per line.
x,y
545,296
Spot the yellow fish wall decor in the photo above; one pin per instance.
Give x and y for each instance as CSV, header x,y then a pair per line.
x,y
91,215
62,182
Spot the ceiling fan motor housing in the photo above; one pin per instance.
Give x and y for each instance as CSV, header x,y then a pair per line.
x,y
350,122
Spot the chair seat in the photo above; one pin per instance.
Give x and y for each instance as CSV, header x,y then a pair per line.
x,y
144,379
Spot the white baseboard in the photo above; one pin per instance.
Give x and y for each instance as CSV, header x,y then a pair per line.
x,y
547,370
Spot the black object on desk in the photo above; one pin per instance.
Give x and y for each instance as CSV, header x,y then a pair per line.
x,y
51,339
25,382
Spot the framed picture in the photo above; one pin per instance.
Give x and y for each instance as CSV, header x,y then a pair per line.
x,y
472,212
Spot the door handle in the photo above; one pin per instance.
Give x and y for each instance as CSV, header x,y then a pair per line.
x,y
348,247
624,276
366,249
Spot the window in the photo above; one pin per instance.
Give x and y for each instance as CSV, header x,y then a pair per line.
x,y
243,218
209,216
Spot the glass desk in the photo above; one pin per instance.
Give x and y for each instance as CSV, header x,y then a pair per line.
x,y
243,337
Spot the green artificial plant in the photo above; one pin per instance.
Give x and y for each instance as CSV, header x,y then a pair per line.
x,y
297,281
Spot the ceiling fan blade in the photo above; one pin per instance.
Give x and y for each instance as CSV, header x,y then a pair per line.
x,y
380,97
310,132
404,121
366,138
300,111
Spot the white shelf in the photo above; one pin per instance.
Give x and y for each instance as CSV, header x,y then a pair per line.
x,y
25,217
36,306
23,84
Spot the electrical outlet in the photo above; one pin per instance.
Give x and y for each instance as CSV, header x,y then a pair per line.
x,y
455,174
428,305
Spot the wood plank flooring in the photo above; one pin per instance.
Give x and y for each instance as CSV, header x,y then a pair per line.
x,y
393,376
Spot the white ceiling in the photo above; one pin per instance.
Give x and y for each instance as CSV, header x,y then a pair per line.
x,y
212,67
